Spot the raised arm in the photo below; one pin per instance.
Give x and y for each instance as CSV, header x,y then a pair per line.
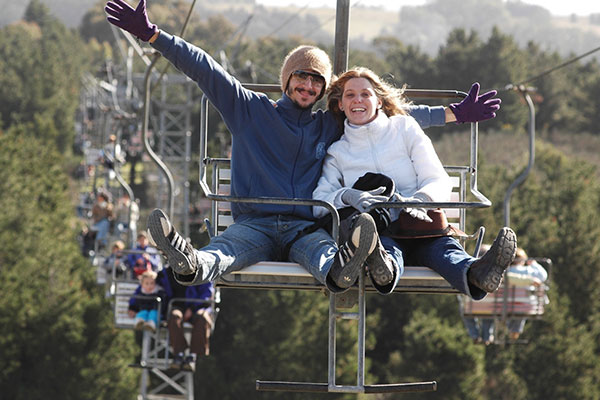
x,y
223,90
473,108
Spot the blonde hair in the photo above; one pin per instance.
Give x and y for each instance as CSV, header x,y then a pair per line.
x,y
392,99
118,244
148,274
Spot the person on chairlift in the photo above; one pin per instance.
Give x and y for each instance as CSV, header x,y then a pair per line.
x,y
382,141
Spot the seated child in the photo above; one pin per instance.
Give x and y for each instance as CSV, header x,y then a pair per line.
x,y
143,304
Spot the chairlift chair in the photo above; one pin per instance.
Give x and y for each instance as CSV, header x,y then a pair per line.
x,y
285,275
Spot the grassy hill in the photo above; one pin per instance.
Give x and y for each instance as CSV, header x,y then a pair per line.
x,y
426,26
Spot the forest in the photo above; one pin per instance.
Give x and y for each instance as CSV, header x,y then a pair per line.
x,y
57,336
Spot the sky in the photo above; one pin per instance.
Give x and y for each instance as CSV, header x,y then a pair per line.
x,y
556,7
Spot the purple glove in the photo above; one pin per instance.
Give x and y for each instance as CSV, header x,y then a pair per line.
x,y
133,21
476,108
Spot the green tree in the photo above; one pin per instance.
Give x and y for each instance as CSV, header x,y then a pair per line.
x,y
56,327
39,59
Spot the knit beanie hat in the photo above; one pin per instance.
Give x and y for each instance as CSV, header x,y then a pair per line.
x,y
306,58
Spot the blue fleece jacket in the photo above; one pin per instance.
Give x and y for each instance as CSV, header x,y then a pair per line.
x,y
277,147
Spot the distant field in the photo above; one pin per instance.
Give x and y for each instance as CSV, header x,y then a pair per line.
x,y
365,23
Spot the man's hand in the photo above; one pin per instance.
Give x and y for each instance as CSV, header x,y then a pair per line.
x,y
361,200
133,21
476,107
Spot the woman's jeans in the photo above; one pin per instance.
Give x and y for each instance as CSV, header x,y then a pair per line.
x,y
443,254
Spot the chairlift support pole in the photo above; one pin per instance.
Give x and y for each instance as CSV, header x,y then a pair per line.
x,y
342,27
521,178
518,181
161,165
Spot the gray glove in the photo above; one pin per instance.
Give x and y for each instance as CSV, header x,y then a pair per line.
x,y
418,213
361,199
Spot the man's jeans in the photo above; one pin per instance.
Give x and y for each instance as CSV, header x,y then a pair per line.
x,y
443,254
264,239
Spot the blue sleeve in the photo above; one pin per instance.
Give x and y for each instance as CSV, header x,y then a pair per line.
x,y
224,91
428,116
133,301
204,291
130,261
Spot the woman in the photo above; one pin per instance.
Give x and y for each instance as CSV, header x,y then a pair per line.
x,y
379,137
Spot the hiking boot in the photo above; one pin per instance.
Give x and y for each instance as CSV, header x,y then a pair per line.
x,y
486,273
381,266
138,324
189,364
178,252
150,326
351,255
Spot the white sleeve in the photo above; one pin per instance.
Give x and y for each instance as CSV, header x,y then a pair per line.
x,y
330,186
432,179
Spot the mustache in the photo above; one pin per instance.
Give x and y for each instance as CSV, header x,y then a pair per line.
x,y
311,92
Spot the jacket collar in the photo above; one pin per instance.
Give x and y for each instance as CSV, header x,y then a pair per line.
x,y
292,113
379,124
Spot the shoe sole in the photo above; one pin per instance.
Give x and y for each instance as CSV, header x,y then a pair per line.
x,y
364,239
505,254
159,228
378,269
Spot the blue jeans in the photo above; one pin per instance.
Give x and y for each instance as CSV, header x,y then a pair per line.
x,y
264,239
516,325
443,254
101,227
479,327
148,315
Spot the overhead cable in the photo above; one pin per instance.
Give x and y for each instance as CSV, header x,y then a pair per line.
x,y
536,77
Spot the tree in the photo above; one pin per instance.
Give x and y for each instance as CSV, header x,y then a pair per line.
x,y
39,58
55,325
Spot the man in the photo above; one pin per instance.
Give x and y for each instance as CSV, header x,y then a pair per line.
x,y
277,151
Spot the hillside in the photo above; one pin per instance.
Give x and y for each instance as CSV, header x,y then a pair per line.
x,y
426,26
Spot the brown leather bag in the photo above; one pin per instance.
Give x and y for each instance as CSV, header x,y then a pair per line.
x,y
407,227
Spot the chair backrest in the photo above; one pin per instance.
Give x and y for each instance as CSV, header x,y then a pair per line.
x,y
221,185
123,292
520,301
278,275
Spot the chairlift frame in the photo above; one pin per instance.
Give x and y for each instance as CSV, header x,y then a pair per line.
x,y
507,291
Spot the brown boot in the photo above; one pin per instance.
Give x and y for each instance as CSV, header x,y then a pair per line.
x,y
486,273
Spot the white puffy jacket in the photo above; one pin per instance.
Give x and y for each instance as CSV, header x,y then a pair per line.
x,y
396,147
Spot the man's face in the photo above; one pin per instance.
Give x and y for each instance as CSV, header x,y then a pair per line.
x,y
305,87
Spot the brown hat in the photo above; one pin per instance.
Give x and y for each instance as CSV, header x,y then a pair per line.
x,y
306,58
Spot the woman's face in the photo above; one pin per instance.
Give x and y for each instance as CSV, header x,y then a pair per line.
x,y
359,101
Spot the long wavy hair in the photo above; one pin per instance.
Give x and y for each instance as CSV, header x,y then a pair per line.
x,y
392,99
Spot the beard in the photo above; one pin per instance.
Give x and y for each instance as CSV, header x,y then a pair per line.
x,y
307,107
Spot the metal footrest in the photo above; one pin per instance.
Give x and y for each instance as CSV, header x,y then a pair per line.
x,y
324,387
